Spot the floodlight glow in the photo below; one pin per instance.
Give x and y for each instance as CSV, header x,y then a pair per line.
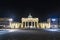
x,y
52,30
53,19
32,27
11,19
12,30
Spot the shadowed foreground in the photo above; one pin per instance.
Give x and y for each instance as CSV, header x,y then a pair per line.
x,y
31,35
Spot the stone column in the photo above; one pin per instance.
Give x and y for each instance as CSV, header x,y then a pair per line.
x,y
37,25
25,24
31,24
22,25
34,24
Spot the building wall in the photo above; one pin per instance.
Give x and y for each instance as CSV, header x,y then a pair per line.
x,y
25,20
4,22
44,25
19,25
53,22
39,25
15,25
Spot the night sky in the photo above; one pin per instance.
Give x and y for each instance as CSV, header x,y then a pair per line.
x,y
17,9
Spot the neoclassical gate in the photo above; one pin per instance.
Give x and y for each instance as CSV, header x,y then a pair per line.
x,y
30,22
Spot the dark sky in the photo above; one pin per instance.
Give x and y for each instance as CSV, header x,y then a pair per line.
x,y
18,9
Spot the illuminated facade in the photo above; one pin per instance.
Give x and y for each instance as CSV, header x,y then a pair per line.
x,y
30,22
54,22
5,22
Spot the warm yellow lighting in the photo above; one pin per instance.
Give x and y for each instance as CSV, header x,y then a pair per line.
x,y
29,22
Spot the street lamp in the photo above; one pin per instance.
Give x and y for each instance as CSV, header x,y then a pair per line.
x,y
53,20
10,20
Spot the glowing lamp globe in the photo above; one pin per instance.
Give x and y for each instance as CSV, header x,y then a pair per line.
x,y
11,19
53,19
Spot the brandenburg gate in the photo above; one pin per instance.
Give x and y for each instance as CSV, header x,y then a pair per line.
x,y
30,22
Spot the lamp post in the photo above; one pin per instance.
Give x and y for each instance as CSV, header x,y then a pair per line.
x,y
53,21
10,21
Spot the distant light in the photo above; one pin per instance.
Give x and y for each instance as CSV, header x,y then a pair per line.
x,y
53,19
11,19
12,30
52,29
